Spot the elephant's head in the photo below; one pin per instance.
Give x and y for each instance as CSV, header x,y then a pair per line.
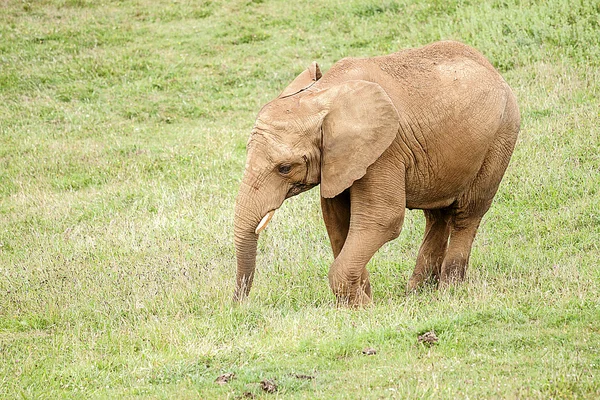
x,y
311,134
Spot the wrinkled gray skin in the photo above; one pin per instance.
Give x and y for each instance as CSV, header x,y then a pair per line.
x,y
430,128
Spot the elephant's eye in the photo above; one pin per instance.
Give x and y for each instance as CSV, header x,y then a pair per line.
x,y
285,169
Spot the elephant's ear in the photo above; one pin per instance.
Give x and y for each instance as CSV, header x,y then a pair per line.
x,y
303,81
361,124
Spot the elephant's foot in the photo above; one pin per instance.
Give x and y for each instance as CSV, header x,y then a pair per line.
x,y
353,296
415,281
360,300
422,277
452,272
413,285
349,289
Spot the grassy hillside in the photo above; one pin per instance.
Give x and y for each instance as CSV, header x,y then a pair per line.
x,y
122,141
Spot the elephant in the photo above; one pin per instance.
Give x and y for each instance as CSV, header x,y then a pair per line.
x,y
430,128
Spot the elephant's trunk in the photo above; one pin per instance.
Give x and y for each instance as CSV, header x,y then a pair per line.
x,y
245,248
245,244
248,215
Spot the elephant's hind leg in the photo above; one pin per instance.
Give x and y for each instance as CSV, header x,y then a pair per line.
x,y
467,212
474,203
433,249
456,261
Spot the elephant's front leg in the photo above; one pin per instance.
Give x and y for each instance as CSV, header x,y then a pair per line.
x,y
349,279
336,214
376,214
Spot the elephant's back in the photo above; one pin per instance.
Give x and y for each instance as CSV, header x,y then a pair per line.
x,y
415,70
429,66
441,70
440,52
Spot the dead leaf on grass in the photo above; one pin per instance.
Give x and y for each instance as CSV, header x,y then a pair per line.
x,y
225,378
428,338
302,376
268,385
369,351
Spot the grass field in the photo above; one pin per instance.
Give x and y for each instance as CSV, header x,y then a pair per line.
x,y
122,142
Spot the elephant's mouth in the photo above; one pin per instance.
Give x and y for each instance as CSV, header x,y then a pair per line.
x,y
299,188
294,190
264,222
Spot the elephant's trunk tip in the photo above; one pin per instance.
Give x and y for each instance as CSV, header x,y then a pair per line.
x,y
242,289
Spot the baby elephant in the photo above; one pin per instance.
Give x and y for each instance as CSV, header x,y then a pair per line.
x,y
431,128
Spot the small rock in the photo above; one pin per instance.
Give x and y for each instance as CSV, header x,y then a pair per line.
x,y
428,338
369,351
268,386
225,378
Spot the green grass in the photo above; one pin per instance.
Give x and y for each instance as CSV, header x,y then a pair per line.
x,y
122,141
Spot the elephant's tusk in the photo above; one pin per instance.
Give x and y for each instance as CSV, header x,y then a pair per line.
x,y
264,222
